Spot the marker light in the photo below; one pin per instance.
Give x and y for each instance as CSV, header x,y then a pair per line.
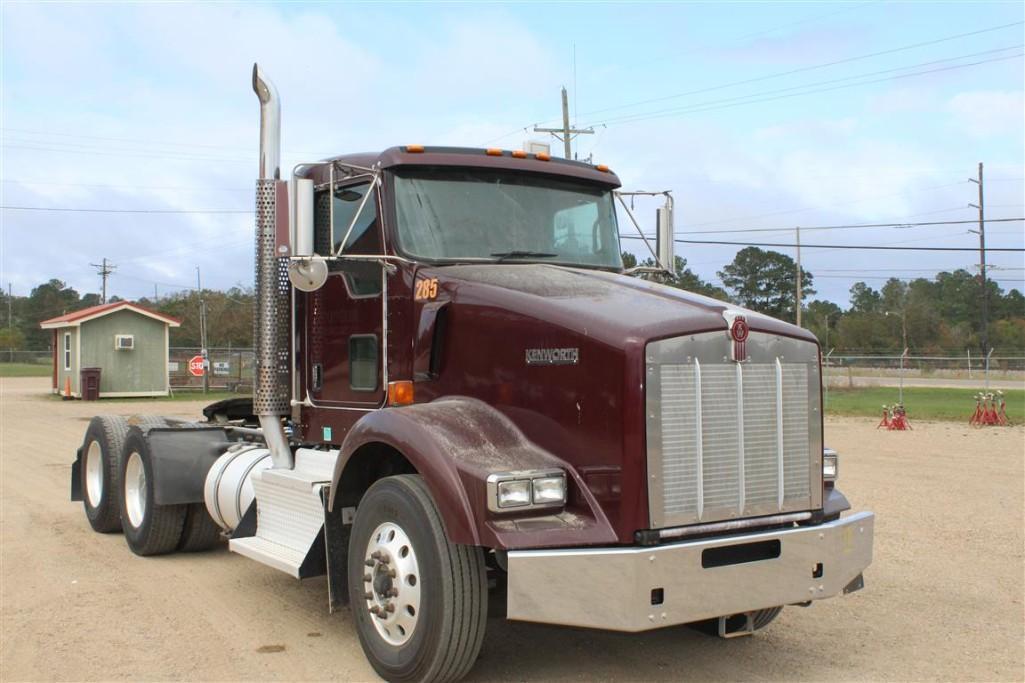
x,y
519,154
543,156
400,393
493,152
603,168
415,149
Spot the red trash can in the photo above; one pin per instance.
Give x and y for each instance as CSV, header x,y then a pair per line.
x,y
90,383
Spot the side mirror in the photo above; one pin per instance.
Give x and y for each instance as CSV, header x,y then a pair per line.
x,y
664,244
302,217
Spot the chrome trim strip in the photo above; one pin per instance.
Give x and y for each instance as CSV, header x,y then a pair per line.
x,y
779,431
732,525
700,439
740,440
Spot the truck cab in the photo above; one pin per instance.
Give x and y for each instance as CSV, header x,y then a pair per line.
x,y
463,396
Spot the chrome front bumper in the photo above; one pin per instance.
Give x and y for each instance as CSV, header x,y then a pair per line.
x,y
616,588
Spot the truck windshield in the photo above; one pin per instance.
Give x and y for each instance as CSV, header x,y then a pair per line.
x,y
475,215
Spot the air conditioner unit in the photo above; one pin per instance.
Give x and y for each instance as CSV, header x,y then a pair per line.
x,y
124,342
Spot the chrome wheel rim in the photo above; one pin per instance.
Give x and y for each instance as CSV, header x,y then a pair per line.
x,y
135,489
391,583
94,474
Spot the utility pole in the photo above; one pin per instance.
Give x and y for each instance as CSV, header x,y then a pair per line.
x,y
566,133
798,230
202,333
105,269
982,260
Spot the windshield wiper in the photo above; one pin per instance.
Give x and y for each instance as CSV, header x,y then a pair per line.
x,y
503,255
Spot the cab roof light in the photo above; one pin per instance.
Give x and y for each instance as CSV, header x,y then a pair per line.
x,y
400,393
415,149
543,156
493,152
519,154
603,168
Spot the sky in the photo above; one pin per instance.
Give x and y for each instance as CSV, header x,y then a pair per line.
x,y
759,116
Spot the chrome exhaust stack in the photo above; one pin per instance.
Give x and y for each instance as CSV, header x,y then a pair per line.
x,y
272,387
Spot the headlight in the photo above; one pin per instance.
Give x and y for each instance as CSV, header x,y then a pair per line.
x,y
516,491
513,494
830,465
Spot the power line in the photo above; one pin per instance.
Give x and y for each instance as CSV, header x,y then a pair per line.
x,y
845,246
80,210
736,100
105,270
812,67
852,226
17,181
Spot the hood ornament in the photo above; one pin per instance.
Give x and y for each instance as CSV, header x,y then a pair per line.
x,y
738,330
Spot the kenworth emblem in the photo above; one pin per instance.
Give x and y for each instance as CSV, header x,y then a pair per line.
x,y
569,356
739,331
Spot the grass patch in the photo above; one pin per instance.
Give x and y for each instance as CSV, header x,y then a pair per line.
x,y
25,370
923,403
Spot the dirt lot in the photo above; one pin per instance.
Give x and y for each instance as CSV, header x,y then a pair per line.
x,y
943,599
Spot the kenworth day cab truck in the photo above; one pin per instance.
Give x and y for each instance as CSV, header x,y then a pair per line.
x,y
462,397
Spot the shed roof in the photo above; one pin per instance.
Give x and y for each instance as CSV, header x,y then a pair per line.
x,y
76,318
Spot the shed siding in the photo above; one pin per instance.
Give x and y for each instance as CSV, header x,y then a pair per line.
x,y
63,374
143,369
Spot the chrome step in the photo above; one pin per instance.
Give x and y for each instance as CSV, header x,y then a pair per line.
x,y
280,557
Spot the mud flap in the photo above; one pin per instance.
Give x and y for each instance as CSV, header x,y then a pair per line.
x,y
337,529
76,477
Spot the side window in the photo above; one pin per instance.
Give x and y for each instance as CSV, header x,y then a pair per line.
x,y
67,350
365,238
363,362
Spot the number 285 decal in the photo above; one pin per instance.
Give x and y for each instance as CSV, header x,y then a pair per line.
x,y
426,289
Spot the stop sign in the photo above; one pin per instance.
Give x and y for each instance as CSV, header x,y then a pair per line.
x,y
196,366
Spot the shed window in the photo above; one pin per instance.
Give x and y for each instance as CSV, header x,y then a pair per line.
x,y
363,362
67,350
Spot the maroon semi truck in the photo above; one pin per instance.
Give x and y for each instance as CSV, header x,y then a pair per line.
x,y
462,397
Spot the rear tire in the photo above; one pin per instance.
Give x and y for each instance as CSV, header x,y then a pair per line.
x,y
100,473
432,617
762,618
200,531
150,529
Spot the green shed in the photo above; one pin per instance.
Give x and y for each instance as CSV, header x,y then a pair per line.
x,y
127,342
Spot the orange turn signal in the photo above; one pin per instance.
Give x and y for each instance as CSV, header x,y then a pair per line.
x,y
415,149
543,156
493,152
603,168
400,393
519,154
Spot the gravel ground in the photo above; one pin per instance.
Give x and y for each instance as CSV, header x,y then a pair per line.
x,y
943,599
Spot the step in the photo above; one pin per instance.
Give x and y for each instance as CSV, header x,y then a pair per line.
x,y
281,557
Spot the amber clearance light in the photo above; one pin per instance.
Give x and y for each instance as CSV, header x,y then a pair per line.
x,y
415,149
543,156
400,393
493,152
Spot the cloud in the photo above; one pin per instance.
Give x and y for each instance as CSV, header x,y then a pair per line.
x,y
989,113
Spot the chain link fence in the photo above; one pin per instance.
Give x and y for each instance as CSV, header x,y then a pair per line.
x,y
968,371
231,369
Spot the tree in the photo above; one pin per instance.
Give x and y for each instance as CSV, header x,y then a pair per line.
x,y
686,278
864,299
764,281
821,318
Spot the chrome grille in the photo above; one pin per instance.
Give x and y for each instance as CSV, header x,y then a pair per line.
x,y
729,440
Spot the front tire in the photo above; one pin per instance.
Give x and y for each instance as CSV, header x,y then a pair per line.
x,y
150,529
419,601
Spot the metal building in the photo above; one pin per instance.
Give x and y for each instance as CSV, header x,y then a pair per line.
x,y
127,342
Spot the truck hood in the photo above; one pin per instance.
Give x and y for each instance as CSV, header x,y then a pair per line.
x,y
616,309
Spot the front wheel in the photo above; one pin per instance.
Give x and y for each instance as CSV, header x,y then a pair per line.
x,y
419,601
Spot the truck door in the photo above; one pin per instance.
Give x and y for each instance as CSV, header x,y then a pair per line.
x,y
343,318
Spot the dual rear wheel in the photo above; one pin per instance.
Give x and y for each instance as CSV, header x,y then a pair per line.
x,y
118,491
